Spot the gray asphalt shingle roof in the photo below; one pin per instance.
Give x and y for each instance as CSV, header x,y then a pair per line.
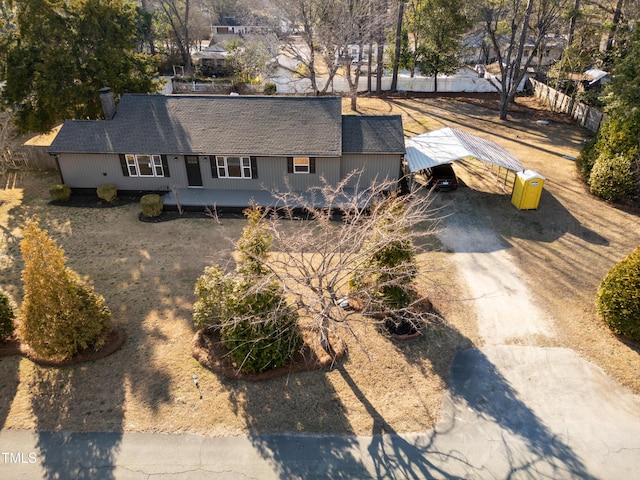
x,y
234,125
372,134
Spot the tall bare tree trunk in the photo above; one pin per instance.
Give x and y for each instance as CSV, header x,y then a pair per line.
x,y
396,59
572,24
607,42
379,67
369,66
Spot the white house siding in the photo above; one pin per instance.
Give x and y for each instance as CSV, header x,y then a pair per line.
x,y
370,168
93,170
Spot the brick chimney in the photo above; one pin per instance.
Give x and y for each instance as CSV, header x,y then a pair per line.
x,y
108,103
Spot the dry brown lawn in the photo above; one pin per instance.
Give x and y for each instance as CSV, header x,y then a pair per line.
x,y
147,271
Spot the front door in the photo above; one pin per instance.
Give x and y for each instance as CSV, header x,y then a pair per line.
x,y
194,175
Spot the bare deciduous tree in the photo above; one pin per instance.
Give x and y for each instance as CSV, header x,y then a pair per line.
x,y
304,42
177,16
316,258
512,24
326,34
9,158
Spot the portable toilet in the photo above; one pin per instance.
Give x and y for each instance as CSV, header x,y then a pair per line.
x,y
527,190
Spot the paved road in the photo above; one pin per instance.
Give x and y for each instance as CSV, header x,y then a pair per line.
x,y
514,411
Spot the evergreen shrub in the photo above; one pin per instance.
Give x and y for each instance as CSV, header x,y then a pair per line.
x,y
107,192
151,205
618,297
60,314
7,316
60,192
612,177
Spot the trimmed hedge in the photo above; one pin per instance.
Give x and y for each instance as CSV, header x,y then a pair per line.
x,y
151,205
60,192
618,297
107,192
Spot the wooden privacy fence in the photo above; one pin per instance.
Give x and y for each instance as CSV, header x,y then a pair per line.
x,y
557,101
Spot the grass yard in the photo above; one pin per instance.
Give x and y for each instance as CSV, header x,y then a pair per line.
x,y
146,272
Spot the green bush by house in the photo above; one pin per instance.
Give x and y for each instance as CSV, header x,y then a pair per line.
x,y
107,192
151,205
60,192
618,297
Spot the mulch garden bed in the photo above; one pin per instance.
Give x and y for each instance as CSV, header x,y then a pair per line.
x,y
93,201
115,340
397,327
207,348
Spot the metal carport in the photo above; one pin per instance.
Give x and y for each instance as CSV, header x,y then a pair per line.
x,y
448,144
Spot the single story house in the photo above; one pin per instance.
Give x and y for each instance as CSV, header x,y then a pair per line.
x,y
226,150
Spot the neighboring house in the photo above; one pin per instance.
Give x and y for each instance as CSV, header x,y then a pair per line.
x,y
226,150
477,50
231,25
213,59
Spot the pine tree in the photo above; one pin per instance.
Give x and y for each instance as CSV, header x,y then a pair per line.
x,y
60,314
65,52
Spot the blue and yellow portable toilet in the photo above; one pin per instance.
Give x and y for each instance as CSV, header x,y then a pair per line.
x,y
527,190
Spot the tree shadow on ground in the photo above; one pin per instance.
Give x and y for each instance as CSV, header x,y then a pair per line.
x,y
9,381
301,402
482,222
58,399
483,407
449,112
479,390
90,397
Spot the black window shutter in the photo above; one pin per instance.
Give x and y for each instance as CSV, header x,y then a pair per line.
x,y
123,164
213,163
165,165
312,164
289,164
254,168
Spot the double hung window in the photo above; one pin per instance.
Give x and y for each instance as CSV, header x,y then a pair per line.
x,y
233,167
144,165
